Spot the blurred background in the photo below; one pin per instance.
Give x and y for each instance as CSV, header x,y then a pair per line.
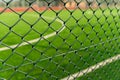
x,y
60,3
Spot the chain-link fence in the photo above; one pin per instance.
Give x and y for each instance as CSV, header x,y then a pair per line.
x,y
59,39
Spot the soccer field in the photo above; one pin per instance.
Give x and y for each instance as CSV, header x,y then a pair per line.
x,y
57,45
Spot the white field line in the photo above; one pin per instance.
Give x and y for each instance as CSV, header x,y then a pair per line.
x,y
35,40
92,68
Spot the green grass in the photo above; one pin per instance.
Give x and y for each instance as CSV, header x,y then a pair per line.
x,y
110,72
23,27
89,37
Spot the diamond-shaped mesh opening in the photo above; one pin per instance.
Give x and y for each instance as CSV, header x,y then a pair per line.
x,y
14,39
59,39
10,21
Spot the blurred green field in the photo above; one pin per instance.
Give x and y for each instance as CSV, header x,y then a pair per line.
x,y
88,38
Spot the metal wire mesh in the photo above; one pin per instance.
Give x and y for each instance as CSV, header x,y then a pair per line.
x,y
59,39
